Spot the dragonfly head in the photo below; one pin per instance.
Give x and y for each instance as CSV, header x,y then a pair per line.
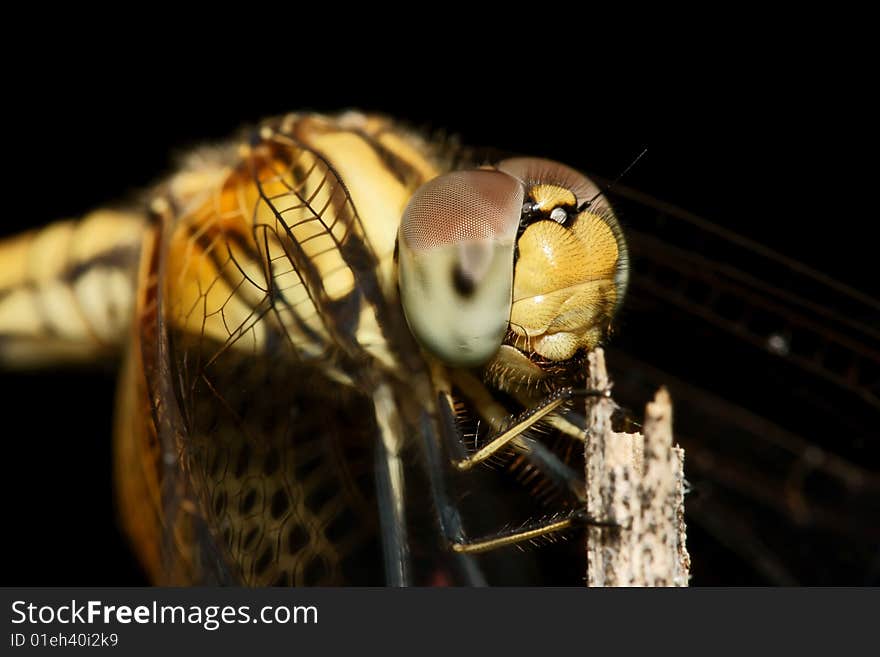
x,y
525,256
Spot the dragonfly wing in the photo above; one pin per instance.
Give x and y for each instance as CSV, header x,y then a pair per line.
x,y
775,372
267,305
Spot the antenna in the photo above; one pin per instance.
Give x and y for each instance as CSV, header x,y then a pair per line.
x,y
638,157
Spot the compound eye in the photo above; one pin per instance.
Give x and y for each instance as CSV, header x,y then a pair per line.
x,y
456,244
549,184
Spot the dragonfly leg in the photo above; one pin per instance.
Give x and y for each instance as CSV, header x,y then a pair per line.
x,y
528,532
538,455
520,424
390,489
447,514
449,518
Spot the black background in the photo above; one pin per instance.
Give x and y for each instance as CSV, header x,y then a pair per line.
x,y
757,138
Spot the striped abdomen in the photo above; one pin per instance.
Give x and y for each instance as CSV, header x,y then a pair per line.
x,y
67,290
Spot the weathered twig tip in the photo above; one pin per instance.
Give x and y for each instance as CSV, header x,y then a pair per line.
x,y
637,482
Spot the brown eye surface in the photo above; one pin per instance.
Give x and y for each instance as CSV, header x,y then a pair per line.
x,y
462,206
456,245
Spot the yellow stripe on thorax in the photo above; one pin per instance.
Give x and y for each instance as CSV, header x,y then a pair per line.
x,y
379,196
301,192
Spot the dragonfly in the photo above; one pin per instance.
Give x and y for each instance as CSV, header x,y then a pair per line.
x,y
297,404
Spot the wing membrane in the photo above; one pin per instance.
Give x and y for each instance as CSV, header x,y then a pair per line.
x,y
775,372
267,289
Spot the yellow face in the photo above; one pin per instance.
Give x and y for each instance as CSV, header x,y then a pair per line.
x,y
546,258
569,274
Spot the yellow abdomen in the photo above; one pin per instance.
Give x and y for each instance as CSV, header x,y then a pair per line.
x,y
67,290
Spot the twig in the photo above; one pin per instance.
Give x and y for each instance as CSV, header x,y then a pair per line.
x,y
636,482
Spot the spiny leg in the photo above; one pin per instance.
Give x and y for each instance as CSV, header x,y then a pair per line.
x,y
528,532
450,520
536,453
519,425
523,422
